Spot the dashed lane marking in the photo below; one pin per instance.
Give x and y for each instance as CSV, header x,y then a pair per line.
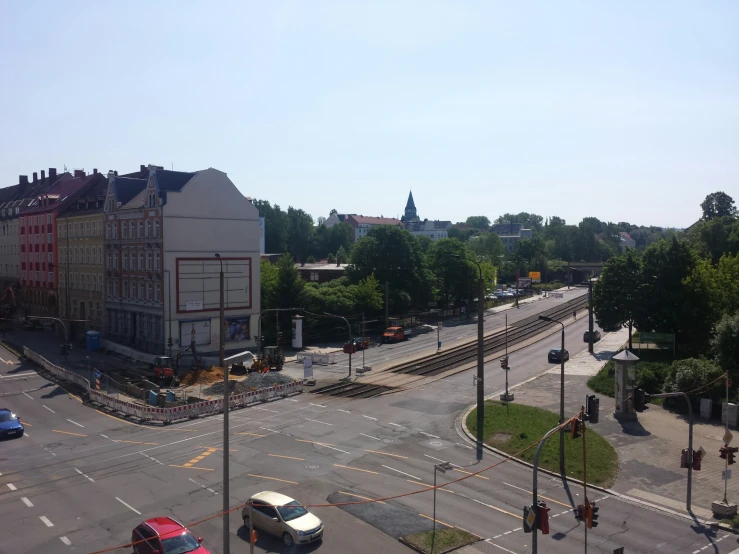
x,y
27,502
145,455
325,445
128,506
369,417
77,424
270,430
85,476
316,421
66,541
370,436
319,405
217,448
437,521
387,454
197,459
45,406
12,487
356,469
136,442
47,522
193,467
429,435
394,424
430,486
501,510
202,486
286,457
498,546
402,472
106,437
359,496
345,411
272,479
251,434
540,496
28,395
68,433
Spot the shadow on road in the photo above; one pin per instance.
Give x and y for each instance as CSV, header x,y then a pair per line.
x,y
268,543
634,429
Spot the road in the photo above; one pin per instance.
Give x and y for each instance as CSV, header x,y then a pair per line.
x,y
80,480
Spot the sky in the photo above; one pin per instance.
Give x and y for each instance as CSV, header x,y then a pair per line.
x,y
624,111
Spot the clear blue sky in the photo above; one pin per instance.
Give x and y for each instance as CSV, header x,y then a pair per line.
x,y
625,110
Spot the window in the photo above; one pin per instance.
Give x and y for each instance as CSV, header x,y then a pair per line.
x,y
88,285
23,222
115,289
38,274
133,261
156,228
100,283
100,228
133,289
94,258
141,261
123,229
51,276
100,254
115,231
148,229
48,219
314,276
148,292
87,228
157,292
74,306
59,229
23,239
87,254
74,229
115,261
23,256
35,222
100,311
141,290
130,230
35,241
50,258
107,230
148,261
156,260
110,289
124,259
141,230
48,238
36,257
124,289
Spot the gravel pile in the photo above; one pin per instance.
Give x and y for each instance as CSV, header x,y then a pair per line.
x,y
253,381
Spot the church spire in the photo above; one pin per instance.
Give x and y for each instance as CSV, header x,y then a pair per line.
x,y
410,209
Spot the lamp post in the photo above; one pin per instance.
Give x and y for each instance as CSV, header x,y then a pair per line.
x,y
561,395
480,358
443,467
590,311
226,407
350,339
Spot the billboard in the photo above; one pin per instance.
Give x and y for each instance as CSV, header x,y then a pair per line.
x,y
237,329
524,282
535,276
197,330
198,284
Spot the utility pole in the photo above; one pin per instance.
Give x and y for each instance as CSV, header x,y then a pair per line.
x,y
226,408
561,395
387,304
590,316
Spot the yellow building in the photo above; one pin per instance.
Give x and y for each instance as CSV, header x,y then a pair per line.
x,y
81,262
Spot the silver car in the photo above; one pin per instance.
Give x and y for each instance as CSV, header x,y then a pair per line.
x,y
283,517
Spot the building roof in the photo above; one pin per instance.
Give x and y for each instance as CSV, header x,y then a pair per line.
x,y
128,187
89,201
625,235
63,191
366,220
410,205
172,181
442,224
322,267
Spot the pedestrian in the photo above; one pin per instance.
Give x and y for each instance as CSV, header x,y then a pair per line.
x,y
574,314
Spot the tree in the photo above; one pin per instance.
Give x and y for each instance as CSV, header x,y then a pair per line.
x,y
300,231
447,260
715,237
718,204
478,222
487,246
616,293
693,373
268,283
529,221
289,284
275,226
368,297
725,343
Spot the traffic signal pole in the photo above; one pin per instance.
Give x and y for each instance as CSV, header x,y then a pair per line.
x,y
535,490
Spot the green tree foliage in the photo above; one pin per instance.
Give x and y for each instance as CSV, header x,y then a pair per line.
x,y
529,221
462,232
715,237
725,344
289,284
268,283
275,223
718,204
299,233
694,373
447,260
393,255
616,294
478,222
487,246
368,296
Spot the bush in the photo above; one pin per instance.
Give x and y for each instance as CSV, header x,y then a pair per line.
x,y
691,374
310,260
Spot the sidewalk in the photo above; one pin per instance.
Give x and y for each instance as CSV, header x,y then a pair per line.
x,y
648,449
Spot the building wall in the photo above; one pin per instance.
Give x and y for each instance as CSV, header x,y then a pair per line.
x,y
209,216
433,234
81,251
10,258
37,234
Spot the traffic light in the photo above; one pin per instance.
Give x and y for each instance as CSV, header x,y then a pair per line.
x,y
684,458
593,406
580,512
169,341
542,518
640,400
592,513
730,454
504,363
575,428
696,460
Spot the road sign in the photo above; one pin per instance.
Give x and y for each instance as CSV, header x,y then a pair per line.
x,y
657,337
441,325
701,453
726,475
531,518
727,437
535,276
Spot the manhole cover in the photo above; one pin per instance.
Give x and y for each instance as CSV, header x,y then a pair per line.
x,y
388,441
312,466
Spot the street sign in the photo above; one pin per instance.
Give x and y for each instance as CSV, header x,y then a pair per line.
x,y
535,276
531,518
701,453
727,437
441,325
656,337
726,475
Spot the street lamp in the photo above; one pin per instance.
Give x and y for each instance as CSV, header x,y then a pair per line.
x,y
480,358
561,395
590,311
443,467
350,339
226,407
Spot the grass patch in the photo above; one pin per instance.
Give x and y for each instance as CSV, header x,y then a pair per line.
x,y
604,382
526,425
650,373
733,521
446,539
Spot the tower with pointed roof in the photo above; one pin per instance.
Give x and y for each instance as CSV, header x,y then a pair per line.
x,y
410,210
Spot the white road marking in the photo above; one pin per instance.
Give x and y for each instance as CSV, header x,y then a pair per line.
x,y
12,487
85,476
517,529
429,435
211,490
319,405
316,421
345,411
370,436
66,541
128,506
77,424
46,521
268,429
202,486
496,537
394,424
368,417
556,515
28,395
153,459
25,433
508,532
498,546
463,445
45,406
332,448
403,472
27,502
105,437
291,399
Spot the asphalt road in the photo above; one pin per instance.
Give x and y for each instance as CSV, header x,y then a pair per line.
x,y
80,480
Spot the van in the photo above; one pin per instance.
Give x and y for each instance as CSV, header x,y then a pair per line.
x,y
393,334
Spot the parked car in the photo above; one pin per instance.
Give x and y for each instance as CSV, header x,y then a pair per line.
x,y
556,354
10,424
283,517
165,535
394,334
355,345
586,336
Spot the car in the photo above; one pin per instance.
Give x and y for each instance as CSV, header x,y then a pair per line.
x,y
10,424
555,355
283,517
165,535
586,336
355,345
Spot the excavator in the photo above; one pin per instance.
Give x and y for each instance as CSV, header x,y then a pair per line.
x,y
271,358
165,370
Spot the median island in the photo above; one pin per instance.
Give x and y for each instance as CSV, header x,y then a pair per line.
x,y
512,427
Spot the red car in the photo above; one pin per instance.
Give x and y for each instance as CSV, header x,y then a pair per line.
x,y
164,535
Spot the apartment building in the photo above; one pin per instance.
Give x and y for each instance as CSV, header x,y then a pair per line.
x,y
81,267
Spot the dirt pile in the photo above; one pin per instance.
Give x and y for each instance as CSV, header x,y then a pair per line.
x,y
202,377
253,381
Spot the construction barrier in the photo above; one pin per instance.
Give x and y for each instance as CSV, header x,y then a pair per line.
x,y
317,358
166,415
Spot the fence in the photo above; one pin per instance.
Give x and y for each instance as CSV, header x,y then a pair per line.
x,y
166,415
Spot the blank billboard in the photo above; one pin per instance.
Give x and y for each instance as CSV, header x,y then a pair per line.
x,y
198,284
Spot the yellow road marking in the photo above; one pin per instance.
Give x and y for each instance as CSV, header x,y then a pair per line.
x,y
286,457
387,454
362,497
68,433
216,448
437,521
252,434
136,442
272,478
314,442
357,469
24,424
430,486
501,510
196,459
468,473
192,467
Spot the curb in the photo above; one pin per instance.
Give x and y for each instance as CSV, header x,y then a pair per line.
x,y
465,434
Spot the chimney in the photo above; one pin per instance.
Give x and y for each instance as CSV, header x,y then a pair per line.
x,y
52,174
79,173
94,170
142,168
35,177
115,173
43,174
23,181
